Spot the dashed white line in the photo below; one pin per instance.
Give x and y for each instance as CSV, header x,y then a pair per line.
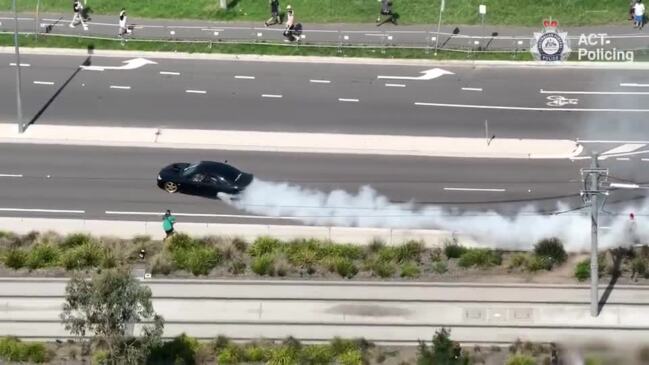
x,y
196,91
645,159
43,83
241,77
120,87
594,92
623,159
276,96
500,107
11,175
320,81
348,100
41,210
633,84
472,88
205,215
169,73
475,189
395,85
21,65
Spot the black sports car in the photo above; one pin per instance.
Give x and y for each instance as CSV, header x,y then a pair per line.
x,y
204,178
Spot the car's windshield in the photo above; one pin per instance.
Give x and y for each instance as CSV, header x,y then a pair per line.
x,y
190,169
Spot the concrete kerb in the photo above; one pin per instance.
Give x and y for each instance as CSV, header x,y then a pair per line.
x,y
129,229
327,60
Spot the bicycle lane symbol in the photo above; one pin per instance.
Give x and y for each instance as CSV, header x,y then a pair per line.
x,y
558,100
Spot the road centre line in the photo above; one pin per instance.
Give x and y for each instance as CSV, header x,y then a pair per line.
x,y
43,83
11,175
500,107
645,159
196,91
21,65
169,73
276,96
633,84
623,159
594,92
472,88
348,100
242,77
395,85
475,189
120,87
41,210
320,81
203,215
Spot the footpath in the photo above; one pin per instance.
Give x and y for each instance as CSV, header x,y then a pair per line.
x,y
450,37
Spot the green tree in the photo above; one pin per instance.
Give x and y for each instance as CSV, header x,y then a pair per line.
x,y
108,305
443,351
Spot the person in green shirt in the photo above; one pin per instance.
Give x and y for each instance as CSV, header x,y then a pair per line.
x,y
168,222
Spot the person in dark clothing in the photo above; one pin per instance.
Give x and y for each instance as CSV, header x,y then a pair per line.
x,y
274,13
386,10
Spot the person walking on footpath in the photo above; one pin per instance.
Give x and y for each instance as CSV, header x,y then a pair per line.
x,y
274,13
123,29
168,222
78,15
638,12
386,10
292,29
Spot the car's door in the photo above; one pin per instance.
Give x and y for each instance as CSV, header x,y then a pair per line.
x,y
193,184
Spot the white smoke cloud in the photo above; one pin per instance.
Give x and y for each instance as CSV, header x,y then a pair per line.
x,y
367,208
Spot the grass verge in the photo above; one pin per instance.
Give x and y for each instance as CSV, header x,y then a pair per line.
x,y
504,12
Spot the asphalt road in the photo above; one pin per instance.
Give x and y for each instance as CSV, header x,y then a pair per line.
x,y
379,312
295,97
97,180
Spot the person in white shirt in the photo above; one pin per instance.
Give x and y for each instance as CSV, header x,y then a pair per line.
x,y
78,16
290,23
638,12
123,30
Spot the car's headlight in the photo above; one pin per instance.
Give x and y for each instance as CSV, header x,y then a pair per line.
x,y
159,178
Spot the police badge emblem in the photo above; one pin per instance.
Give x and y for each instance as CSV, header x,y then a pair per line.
x,y
550,45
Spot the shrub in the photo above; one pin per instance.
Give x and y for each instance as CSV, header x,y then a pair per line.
x,y
351,357
582,271
436,254
551,248
199,260
161,264
410,270
237,267
76,239
180,241
240,244
263,265
99,357
345,267
317,355
87,255
519,359
232,354
15,259
480,257
410,251
181,350
454,250
303,254
386,254
536,263
283,355
518,260
42,255
639,266
440,267
254,353
341,345
383,269
264,246
345,251
220,343
12,349
375,245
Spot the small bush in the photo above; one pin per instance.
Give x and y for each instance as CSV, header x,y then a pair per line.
x,y
410,270
521,360
410,251
480,257
161,264
383,269
436,254
100,357
551,248
518,260
454,250
537,263
264,246
386,254
232,354
254,353
180,241
42,255
340,345
345,267
75,240
375,245
351,252
237,267
15,259
240,244
283,355
639,266
440,267
317,355
582,271
88,255
263,265
351,357
12,349
199,260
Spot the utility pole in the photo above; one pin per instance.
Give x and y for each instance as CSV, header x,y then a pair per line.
x,y
592,179
19,106
439,25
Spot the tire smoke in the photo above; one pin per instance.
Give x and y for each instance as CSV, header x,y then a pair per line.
x,y
367,208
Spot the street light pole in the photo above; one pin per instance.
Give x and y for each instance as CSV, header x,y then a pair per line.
x,y
439,24
19,105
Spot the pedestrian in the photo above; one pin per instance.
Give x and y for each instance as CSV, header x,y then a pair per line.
x,y
631,9
290,24
168,222
638,12
123,29
386,10
274,13
78,15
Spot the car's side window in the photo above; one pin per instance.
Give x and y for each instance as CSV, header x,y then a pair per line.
x,y
198,178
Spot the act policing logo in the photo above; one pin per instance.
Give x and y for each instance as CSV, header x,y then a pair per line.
x,y
550,45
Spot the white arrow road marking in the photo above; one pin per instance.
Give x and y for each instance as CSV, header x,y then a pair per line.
x,y
427,75
131,64
625,148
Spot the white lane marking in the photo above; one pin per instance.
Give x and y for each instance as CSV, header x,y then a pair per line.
x,y
120,87
595,92
21,65
624,186
611,141
348,100
629,147
633,84
320,81
43,83
41,210
645,159
11,175
475,189
395,85
241,77
500,107
204,215
623,159
276,96
169,73
196,91
472,88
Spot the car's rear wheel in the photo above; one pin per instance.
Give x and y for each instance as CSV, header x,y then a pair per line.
x,y
171,187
